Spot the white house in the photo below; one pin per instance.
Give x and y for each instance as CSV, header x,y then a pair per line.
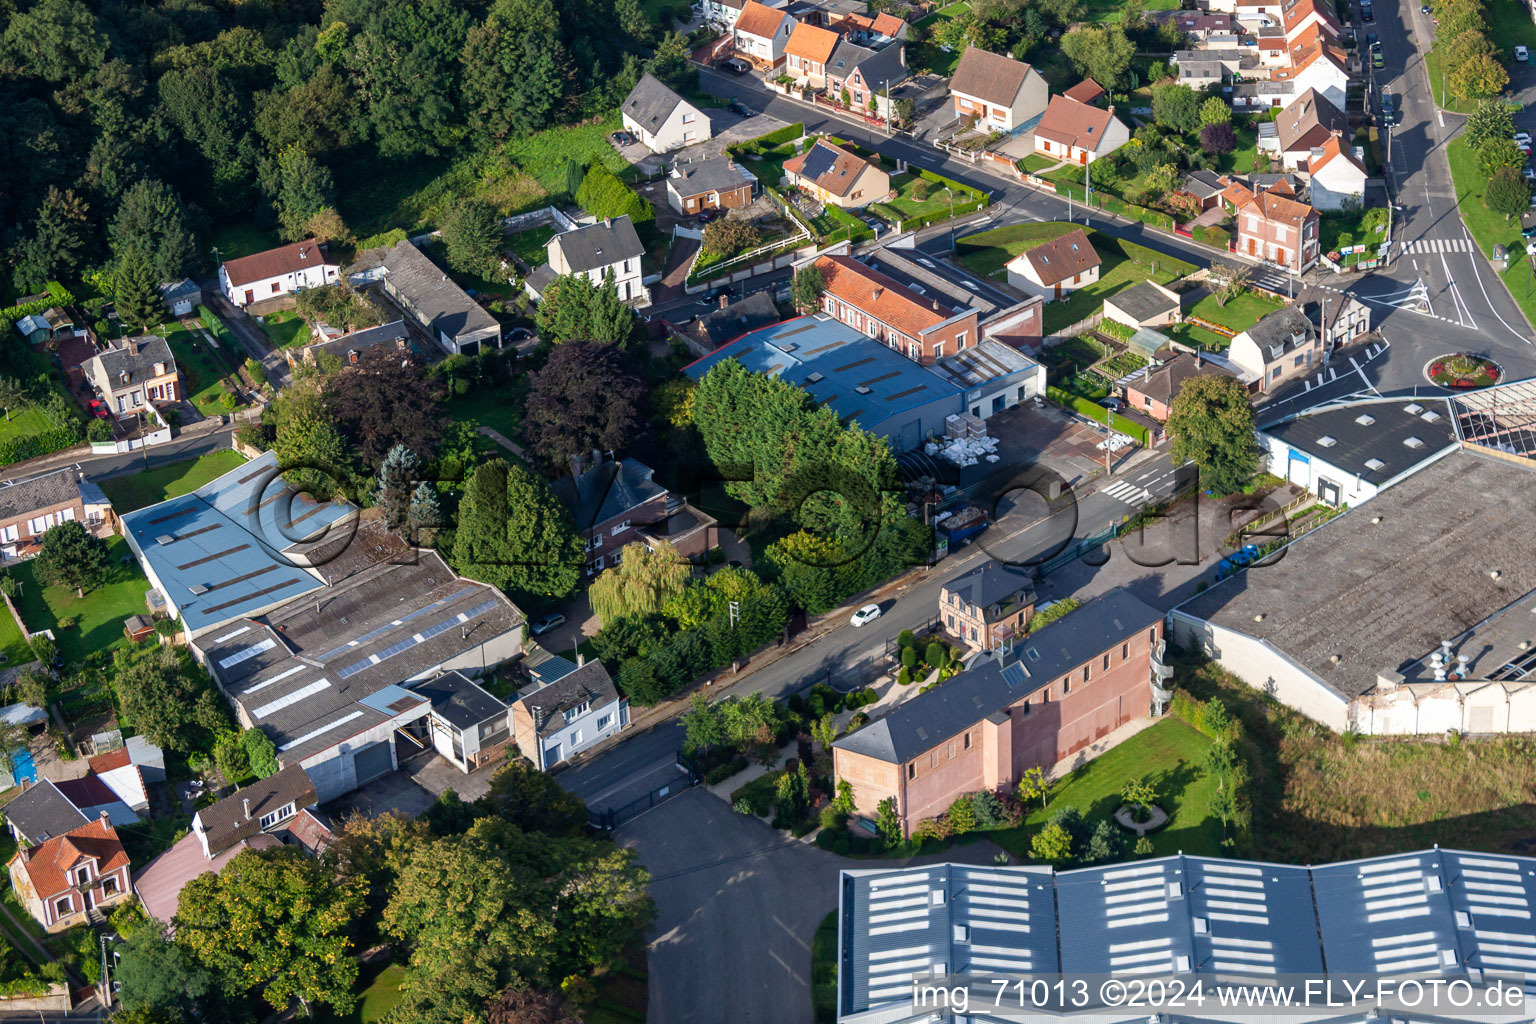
x,y
1056,268
761,33
470,726
661,119
1072,130
1003,94
1337,176
280,271
1321,66
569,709
596,250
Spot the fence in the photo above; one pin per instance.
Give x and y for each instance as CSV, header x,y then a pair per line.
x,y
611,818
1077,550
1083,326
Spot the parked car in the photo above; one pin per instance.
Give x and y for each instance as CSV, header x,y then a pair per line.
x,y
705,216
544,623
1377,61
736,66
1529,232
1523,140
869,613
1389,108
99,409
1366,15
738,107
1522,54
1528,172
622,139
1424,8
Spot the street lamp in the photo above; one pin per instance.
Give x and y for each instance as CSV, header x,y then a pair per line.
x,y
951,195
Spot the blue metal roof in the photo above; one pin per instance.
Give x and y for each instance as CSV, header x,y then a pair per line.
x,y
234,546
857,377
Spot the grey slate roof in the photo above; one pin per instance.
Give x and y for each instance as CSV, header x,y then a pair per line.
x,y
1279,327
991,583
362,341
606,491
46,490
600,245
460,701
722,174
186,288
745,314
1163,382
434,297
1203,184
225,823
43,812
650,103
877,66
137,358
590,683
932,717
1337,436
1145,300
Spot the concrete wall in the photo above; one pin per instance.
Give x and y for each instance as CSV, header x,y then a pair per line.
x,y
1263,667
333,769
1472,707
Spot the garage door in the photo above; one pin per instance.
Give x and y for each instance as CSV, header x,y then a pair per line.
x,y
1299,472
911,436
372,761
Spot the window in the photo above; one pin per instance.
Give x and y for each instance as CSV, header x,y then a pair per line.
x,y
967,741
603,720
687,118
912,770
1085,673
571,714
276,287
282,813
960,340
951,750
951,621
1299,360
1125,651
690,136
8,534
1066,684
83,875
857,194
933,759
63,907
1276,374
1152,635
1106,663
109,886
1026,707
620,528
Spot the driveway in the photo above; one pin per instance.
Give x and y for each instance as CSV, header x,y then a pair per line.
x,y
737,904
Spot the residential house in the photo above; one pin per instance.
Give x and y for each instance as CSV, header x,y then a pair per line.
x,y
876,31
833,175
1341,318
1336,176
721,14
1002,94
428,297
349,348
281,271
1204,187
1153,393
1303,16
595,251
1263,94
718,184
32,506
761,33
1274,50
95,799
568,709
131,771
1201,68
261,816
1274,227
1087,91
138,373
1144,304
470,727
40,812
1318,65
988,607
866,75
660,118
617,502
72,878
918,326
1282,346
730,321
1079,133
807,53
1196,25
1033,705
1303,126
1056,268
181,297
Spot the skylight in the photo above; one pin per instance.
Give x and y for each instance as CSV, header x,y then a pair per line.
x,y
1413,442
1365,419
1327,441
1375,464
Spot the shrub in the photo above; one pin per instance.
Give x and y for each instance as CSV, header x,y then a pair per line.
x,y
905,638
908,657
858,721
859,844
832,818
99,432
904,677
825,839
741,806
842,847
936,656
961,816
720,773
988,810
729,236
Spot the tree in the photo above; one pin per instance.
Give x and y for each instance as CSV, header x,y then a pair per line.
x,y
731,235
1508,193
398,480
1102,54
168,697
275,920
1480,76
139,305
260,753
1231,280
641,583
159,976
472,238
574,308
13,395
1106,843
583,399
33,686
60,235
384,400
1495,155
514,533
366,850
1052,844
515,65
1139,793
888,821
1177,107
1215,111
533,801
1212,426
310,449
807,288
1162,179
1033,784
304,188
702,725
635,22
1218,138
670,64
424,513
793,792
230,758
1491,120
72,557
603,195
326,225
528,1006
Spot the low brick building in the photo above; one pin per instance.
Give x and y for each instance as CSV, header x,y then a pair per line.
x,y
1069,684
987,607
918,326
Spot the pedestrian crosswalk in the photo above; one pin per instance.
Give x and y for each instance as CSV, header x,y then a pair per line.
x,y
1128,493
1424,246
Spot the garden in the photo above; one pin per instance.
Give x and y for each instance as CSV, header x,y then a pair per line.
x,y
205,371
1241,312
1462,371
1346,230
1489,229
285,328
142,488
923,198
38,415
82,625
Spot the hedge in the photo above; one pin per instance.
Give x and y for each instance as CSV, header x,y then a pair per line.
x,y
603,195
1213,236
1096,412
777,137
1114,204
58,295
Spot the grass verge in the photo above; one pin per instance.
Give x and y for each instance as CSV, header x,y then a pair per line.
x,y
136,490
1488,228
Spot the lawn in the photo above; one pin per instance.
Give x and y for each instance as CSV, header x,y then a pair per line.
x,y
1170,752
24,422
13,646
1243,157
1111,11
1488,228
940,62
202,369
1509,24
236,238
1240,313
496,408
1124,264
378,990
908,205
1363,227
99,614
137,490
285,328
1037,162
529,245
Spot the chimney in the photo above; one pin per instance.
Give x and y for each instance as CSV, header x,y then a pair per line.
x,y
245,802
581,659
725,299
105,820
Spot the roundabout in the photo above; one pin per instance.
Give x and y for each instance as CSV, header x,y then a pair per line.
x,y
1462,371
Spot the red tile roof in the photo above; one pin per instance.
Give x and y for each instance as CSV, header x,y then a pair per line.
x,y
1333,149
759,20
877,295
1086,91
811,43
1062,258
1071,123
1280,210
275,262
47,864
839,176
110,760
888,24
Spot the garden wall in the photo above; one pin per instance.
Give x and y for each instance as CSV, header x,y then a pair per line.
x,y
57,999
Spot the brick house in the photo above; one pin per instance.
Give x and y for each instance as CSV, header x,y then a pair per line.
x,y
66,880
1341,318
136,374
1154,392
30,508
833,175
1304,125
1068,685
866,74
1272,225
919,327
617,502
988,607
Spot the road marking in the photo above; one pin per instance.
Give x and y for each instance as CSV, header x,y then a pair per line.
x,y
1456,296
1128,493
1434,245
1440,115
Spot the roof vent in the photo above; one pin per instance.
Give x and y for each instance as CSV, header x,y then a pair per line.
x,y
1375,464
1327,441
1430,416
1432,883
1413,408
1365,419
937,897
864,389
962,933
1202,926
1175,890
1412,442
199,589
814,378
164,539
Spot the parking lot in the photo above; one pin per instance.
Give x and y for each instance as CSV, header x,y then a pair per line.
x,y
1049,436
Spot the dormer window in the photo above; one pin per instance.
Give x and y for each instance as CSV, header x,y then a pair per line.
x,y
571,714
283,813
83,875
